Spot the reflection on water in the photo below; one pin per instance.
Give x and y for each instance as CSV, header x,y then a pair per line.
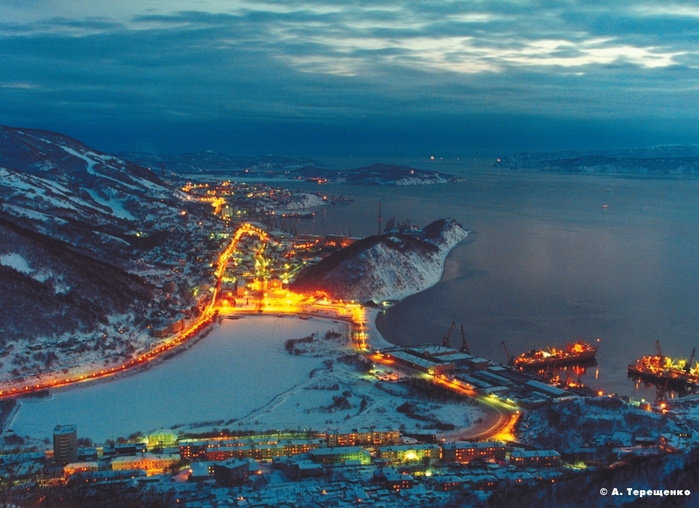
x,y
548,263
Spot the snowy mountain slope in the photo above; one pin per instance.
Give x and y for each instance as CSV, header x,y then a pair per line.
x,y
60,177
85,240
655,161
386,267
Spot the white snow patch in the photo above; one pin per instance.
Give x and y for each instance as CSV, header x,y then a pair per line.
x,y
16,261
115,205
90,162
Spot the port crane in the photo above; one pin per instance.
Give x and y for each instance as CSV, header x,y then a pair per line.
x,y
661,392
465,348
507,353
688,366
445,339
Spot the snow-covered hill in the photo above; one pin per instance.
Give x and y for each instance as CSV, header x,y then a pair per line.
x,y
85,240
653,161
385,267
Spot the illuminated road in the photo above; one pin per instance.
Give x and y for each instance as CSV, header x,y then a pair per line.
x,y
164,347
498,422
284,302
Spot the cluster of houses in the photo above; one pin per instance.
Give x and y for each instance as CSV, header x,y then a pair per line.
x,y
338,468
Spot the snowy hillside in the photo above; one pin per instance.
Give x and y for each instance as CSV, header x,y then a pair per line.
x,y
656,161
386,267
85,241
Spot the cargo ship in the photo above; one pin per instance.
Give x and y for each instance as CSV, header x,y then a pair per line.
x,y
663,369
577,352
298,215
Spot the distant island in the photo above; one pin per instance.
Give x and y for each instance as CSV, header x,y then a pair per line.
x,y
286,168
653,161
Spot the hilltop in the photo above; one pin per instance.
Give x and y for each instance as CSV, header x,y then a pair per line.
x,y
384,267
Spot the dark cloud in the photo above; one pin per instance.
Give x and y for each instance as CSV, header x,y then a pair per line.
x,y
308,77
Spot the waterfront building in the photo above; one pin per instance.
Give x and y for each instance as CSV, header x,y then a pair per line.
x,y
423,365
65,444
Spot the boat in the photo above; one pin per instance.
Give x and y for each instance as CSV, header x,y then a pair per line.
x,y
577,352
298,215
663,369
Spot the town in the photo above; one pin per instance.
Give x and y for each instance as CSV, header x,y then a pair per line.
x,y
251,264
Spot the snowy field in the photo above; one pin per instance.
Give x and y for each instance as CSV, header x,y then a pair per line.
x,y
241,376
235,369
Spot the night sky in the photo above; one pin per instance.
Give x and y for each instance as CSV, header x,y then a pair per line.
x,y
395,77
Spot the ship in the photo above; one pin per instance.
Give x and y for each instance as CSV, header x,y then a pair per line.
x,y
577,352
298,215
664,370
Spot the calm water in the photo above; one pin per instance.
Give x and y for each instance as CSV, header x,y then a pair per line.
x,y
547,263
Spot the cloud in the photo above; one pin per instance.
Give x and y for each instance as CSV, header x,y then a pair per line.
x,y
339,63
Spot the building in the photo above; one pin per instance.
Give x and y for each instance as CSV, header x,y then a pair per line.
x,y
409,453
200,471
160,331
87,454
151,463
177,325
124,449
79,467
296,468
163,438
394,480
231,473
423,365
535,458
466,452
366,437
339,455
482,482
447,483
669,443
65,444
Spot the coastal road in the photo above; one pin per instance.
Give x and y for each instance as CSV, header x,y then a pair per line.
x,y
499,417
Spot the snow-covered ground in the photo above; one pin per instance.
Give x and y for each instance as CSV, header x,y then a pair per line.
x,y
240,376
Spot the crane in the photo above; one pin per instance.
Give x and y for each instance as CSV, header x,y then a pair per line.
x,y
688,367
465,348
445,339
507,353
661,392
657,346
